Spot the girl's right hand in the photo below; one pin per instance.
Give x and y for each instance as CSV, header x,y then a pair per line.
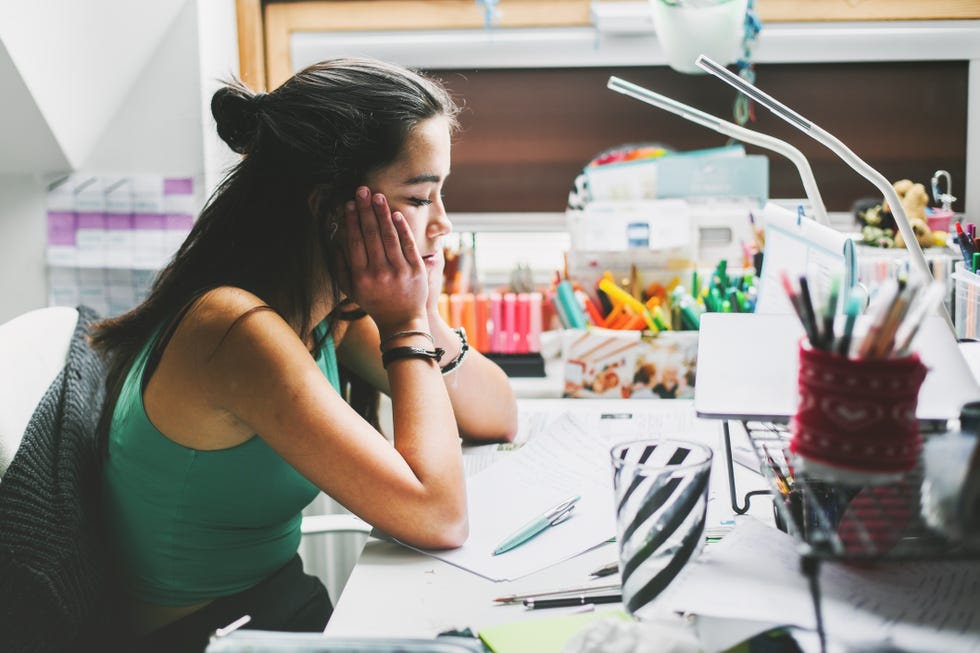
x,y
385,272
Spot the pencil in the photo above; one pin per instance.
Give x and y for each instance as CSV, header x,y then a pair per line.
x,y
605,570
886,338
887,296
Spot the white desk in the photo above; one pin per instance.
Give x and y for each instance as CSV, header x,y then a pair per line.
x,y
397,592
394,591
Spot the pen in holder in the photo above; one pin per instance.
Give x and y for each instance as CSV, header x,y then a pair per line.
x,y
856,417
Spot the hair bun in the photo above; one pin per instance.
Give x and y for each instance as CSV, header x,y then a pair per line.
x,y
236,112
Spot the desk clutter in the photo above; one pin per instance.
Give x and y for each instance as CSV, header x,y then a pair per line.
x,y
637,337
505,326
855,437
857,398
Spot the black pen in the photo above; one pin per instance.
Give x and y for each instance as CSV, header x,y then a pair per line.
x,y
810,315
574,591
532,604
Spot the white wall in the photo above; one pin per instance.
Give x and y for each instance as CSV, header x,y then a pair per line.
x,y
23,233
218,44
79,58
157,127
158,123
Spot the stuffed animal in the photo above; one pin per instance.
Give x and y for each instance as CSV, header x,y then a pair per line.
x,y
914,199
877,222
923,234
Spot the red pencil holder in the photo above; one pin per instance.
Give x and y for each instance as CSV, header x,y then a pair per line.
x,y
858,415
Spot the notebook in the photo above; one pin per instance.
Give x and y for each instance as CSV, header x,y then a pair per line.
x,y
800,246
748,365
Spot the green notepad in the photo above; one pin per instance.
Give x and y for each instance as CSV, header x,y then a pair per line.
x,y
546,635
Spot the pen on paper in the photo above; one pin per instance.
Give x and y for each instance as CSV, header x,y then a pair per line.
x,y
585,599
573,591
606,570
551,517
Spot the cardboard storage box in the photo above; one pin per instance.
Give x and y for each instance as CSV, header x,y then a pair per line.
x,y
603,363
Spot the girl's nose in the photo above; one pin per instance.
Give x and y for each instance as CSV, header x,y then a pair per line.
x,y
439,224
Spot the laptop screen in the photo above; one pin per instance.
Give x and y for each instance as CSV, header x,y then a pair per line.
x,y
748,365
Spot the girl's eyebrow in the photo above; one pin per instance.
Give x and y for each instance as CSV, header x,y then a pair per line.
x,y
421,179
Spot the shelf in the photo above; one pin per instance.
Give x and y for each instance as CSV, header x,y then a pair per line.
x,y
849,522
585,46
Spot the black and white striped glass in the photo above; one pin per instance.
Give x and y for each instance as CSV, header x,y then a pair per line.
x,y
661,489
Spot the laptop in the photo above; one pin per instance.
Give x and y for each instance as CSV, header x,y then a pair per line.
x,y
748,365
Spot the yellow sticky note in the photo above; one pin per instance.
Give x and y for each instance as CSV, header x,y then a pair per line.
x,y
547,635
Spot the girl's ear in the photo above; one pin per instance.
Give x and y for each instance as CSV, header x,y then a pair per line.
x,y
317,200
322,211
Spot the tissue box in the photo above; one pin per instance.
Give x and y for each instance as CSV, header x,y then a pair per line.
x,y
604,363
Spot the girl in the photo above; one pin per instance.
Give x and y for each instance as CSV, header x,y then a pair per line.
x,y
246,382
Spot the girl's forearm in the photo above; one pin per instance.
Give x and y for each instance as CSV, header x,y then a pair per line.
x,y
481,395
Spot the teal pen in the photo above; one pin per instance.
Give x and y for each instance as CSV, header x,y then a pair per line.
x,y
853,308
551,517
570,306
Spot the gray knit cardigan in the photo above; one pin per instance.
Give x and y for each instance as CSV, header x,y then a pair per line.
x,y
54,588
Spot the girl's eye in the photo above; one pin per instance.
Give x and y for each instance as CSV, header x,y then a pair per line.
x,y
419,201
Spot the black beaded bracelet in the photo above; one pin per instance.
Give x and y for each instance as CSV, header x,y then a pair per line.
x,y
456,362
398,353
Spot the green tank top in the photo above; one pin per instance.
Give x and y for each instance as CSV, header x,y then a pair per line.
x,y
189,525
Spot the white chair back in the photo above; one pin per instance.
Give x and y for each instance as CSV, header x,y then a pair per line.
x,y
33,347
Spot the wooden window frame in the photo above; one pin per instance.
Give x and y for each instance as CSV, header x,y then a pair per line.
x,y
265,26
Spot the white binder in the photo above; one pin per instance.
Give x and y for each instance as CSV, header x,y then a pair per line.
x,y
801,246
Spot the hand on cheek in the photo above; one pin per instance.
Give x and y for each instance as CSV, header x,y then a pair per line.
x,y
386,274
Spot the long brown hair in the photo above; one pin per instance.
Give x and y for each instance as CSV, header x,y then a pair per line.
x,y
318,135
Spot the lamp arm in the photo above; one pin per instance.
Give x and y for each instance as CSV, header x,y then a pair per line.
x,y
791,153
887,190
837,147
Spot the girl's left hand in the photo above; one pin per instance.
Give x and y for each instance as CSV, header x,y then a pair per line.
x,y
380,267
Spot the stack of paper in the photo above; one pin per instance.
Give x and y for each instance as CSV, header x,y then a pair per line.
x,y
570,457
918,606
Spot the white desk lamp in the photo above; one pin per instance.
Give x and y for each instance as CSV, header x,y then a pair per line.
x,y
734,131
842,151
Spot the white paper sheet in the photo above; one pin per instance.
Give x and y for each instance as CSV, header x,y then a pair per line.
x,y
754,574
569,457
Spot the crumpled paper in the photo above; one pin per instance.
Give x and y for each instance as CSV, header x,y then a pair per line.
x,y
619,636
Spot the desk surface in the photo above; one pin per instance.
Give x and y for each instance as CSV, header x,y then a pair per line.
x,y
397,592
394,591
